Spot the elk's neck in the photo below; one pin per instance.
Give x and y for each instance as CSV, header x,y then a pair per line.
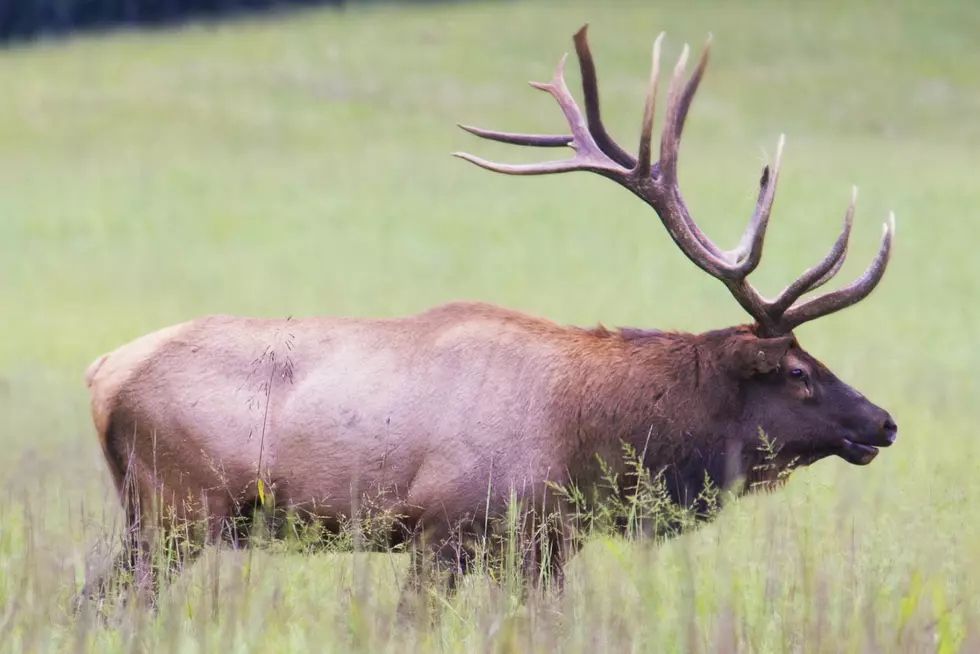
x,y
661,394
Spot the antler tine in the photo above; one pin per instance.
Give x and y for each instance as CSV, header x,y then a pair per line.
x,y
678,103
683,105
821,273
588,155
835,268
646,133
748,253
726,265
692,87
686,234
514,138
544,168
669,137
559,91
853,293
590,92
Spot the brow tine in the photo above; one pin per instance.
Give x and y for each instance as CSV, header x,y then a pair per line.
x,y
514,138
543,168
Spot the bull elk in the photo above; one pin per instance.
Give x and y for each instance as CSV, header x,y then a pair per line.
x,y
441,418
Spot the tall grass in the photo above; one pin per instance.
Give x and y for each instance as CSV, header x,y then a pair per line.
x,y
301,166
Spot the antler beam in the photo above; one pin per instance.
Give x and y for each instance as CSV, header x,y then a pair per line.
x,y
656,184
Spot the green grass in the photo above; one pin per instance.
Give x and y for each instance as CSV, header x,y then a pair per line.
x,y
300,166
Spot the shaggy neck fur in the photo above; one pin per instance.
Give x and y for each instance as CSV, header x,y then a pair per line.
x,y
669,396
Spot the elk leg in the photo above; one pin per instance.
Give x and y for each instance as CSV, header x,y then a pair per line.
x,y
438,558
544,562
542,546
132,565
561,545
552,543
184,536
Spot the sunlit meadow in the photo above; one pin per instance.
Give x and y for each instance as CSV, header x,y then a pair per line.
x,y
300,165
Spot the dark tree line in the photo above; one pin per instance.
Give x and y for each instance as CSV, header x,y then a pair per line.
x,y
22,20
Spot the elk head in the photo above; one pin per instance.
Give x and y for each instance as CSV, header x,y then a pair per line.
x,y
786,392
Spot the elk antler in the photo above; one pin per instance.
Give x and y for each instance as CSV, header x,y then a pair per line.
x,y
595,151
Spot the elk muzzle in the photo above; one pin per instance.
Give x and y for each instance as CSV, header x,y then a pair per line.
x,y
861,450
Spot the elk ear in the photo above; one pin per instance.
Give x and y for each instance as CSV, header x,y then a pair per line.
x,y
750,355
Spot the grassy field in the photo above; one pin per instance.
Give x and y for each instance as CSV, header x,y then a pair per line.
x,y
300,166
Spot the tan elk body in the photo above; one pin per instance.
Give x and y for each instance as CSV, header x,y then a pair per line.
x,y
438,418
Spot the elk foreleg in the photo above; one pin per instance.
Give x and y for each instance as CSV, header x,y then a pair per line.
x,y
438,561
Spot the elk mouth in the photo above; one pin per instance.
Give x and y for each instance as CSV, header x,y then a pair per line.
x,y
861,453
858,454
851,450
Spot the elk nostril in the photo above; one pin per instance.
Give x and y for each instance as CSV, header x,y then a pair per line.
x,y
889,429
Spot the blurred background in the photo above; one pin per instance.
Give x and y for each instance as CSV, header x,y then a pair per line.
x,y
28,19
165,159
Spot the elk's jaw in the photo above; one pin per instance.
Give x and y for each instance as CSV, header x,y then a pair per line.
x,y
851,449
857,454
861,452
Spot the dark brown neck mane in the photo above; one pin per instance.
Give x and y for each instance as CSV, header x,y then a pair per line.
x,y
667,395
